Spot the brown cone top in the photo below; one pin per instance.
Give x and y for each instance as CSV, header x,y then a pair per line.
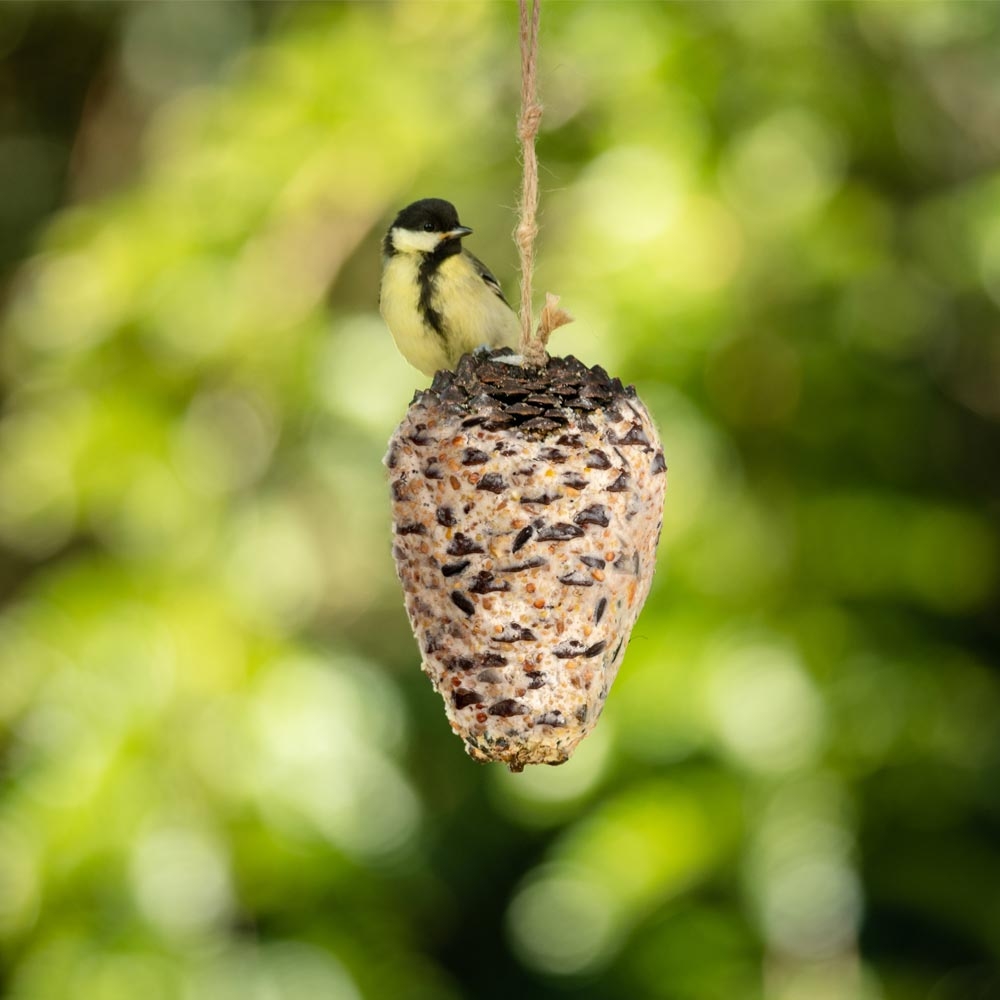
x,y
498,395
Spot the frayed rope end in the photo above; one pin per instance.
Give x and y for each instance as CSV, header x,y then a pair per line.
x,y
552,317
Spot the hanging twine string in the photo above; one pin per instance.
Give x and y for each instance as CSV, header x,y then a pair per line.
x,y
532,348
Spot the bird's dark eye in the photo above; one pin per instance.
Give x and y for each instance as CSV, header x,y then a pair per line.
x,y
428,227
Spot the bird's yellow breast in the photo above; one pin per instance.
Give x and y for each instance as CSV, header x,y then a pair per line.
x,y
399,303
469,312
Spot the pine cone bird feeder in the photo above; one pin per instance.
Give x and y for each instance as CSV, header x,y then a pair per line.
x,y
527,508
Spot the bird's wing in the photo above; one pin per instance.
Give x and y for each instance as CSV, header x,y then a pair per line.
x,y
487,275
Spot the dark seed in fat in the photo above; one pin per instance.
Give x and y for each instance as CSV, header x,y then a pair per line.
x,y
635,435
536,679
399,489
493,482
659,464
581,714
473,456
491,660
433,472
570,440
515,633
577,579
618,649
599,612
628,563
596,649
486,583
508,707
559,532
543,498
552,455
574,480
620,485
463,698
459,663
522,537
532,563
594,514
543,425
594,562
453,569
415,528
568,650
489,676
551,719
462,602
446,517
462,545
598,460
499,422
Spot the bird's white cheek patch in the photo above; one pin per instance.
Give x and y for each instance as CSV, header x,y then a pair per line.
x,y
409,241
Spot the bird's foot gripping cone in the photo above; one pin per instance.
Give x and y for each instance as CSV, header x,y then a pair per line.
x,y
527,508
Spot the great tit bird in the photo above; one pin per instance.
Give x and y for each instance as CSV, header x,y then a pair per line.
x,y
439,301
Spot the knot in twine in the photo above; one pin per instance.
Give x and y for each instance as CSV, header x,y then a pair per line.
x,y
529,122
532,348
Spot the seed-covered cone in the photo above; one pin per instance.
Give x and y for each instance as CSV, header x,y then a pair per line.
x,y
527,508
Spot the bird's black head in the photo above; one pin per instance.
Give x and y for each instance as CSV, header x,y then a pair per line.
x,y
427,226
430,215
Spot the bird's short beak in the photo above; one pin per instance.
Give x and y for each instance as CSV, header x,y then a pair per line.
x,y
457,233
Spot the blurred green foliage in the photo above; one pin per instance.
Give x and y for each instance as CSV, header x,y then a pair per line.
x,y
223,774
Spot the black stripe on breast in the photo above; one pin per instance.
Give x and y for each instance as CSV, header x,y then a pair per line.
x,y
427,279
427,275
